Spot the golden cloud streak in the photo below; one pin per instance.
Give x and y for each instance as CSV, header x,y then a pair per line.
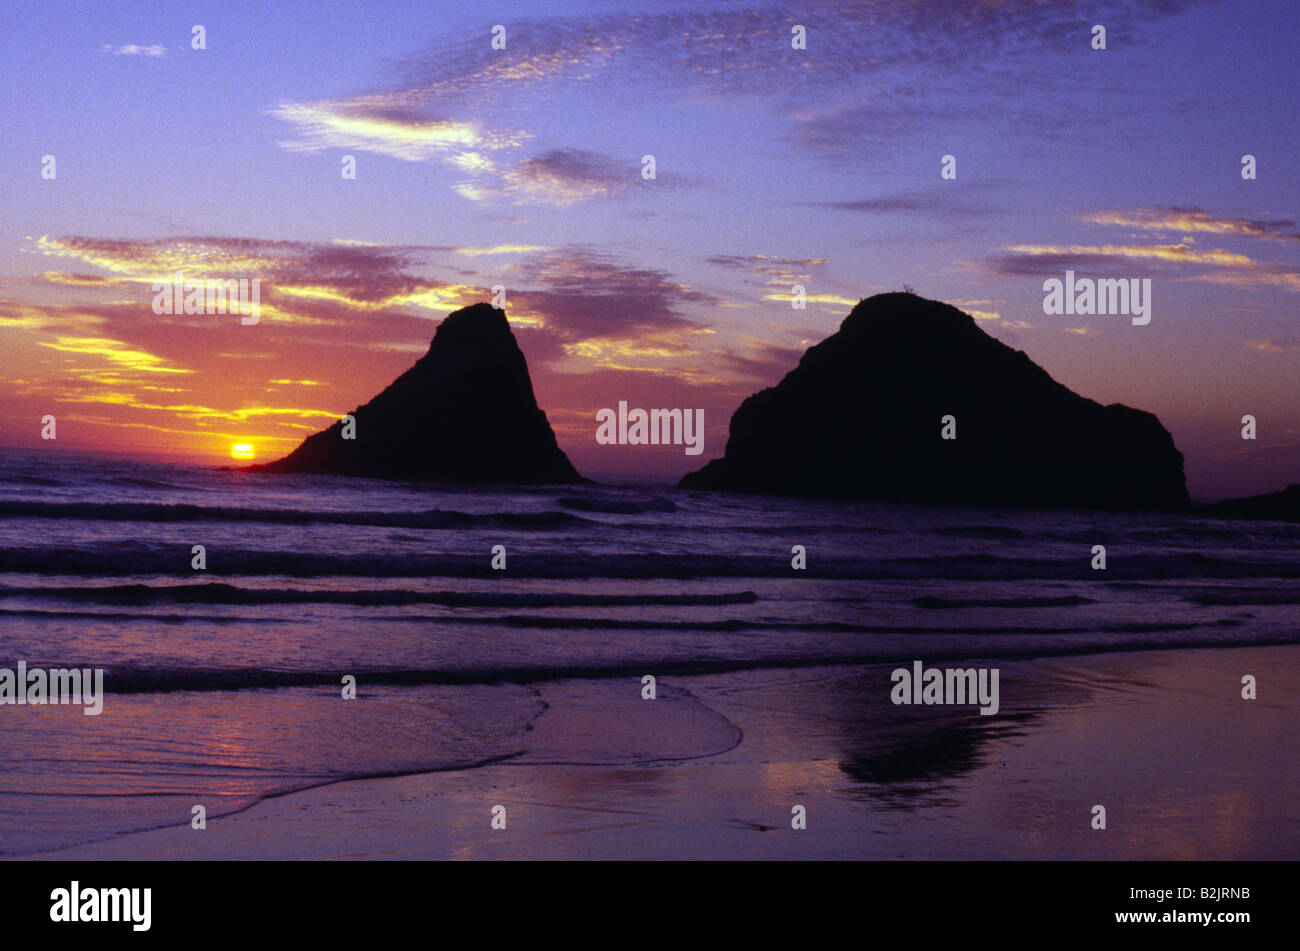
x,y
785,298
367,124
1179,253
503,249
1185,221
114,350
146,262
197,412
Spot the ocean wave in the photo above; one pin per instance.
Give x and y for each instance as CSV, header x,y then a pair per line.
x,y
137,482
616,506
1245,598
1066,601
977,531
42,481
117,559
220,593
125,679
182,512
723,625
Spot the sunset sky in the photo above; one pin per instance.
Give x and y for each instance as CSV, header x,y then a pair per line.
x,y
522,167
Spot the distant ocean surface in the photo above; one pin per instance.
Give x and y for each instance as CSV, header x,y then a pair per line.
x,y
223,686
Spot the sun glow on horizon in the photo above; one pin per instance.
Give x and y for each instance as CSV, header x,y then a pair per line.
x,y
241,450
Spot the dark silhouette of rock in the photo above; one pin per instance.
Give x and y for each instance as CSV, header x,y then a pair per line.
x,y
860,417
464,413
1281,506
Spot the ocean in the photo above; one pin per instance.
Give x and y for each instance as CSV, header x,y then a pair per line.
x,y
224,685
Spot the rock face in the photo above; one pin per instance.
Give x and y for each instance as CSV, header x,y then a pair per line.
x,y
464,413
860,417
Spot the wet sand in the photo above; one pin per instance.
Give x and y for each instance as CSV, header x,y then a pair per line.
x,y
712,768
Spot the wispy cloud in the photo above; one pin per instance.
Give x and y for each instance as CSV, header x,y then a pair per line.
x,y
575,301
435,104
1215,266
763,361
589,297
343,277
979,309
775,273
946,201
1191,220
746,49
501,249
779,276
763,263
114,351
1177,253
559,177
132,49
367,124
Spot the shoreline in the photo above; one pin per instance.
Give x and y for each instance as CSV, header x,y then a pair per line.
x,y
713,768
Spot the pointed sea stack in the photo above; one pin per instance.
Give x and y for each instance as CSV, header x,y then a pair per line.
x,y
859,417
464,413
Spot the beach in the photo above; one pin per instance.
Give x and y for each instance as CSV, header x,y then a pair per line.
x,y
347,673
712,767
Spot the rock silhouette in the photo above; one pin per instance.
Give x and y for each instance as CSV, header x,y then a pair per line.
x,y
1281,506
860,417
465,412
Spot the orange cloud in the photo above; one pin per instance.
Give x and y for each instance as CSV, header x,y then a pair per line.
x,y
1194,220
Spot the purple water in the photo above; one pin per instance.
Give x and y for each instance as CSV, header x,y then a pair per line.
x,y
223,685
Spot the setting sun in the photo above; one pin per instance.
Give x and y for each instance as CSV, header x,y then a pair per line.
x,y
241,450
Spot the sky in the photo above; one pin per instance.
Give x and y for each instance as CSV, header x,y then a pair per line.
x,y
524,167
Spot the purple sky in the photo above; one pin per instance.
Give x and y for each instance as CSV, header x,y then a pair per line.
x,y
522,167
